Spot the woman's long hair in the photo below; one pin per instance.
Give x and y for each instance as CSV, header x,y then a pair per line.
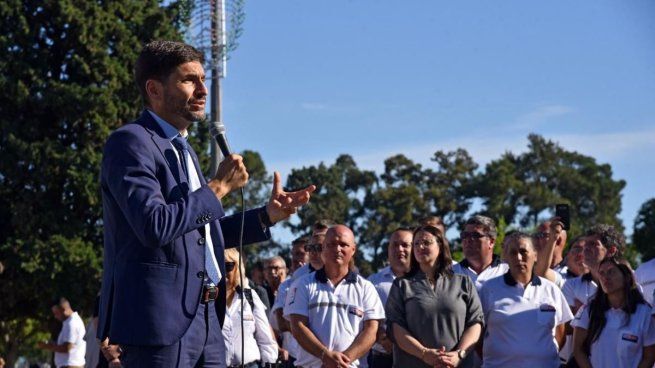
x,y
600,304
444,259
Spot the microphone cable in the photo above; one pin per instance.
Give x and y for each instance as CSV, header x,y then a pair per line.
x,y
243,287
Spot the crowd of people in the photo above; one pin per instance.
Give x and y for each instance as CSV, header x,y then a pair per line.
x,y
537,304
173,292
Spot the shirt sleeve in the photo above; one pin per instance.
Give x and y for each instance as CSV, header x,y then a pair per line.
x,y
263,333
569,291
281,296
565,314
372,304
474,313
395,307
581,319
68,333
297,301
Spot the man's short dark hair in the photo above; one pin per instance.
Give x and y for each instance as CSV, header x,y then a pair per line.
x,y
60,302
608,236
487,223
300,240
158,59
323,224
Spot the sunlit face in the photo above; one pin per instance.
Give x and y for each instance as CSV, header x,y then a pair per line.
x,y
594,251
231,270
520,256
541,236
339,246
575,258
184,93
318,237
426,248
476,243
611,279
400,249
298,256
275,272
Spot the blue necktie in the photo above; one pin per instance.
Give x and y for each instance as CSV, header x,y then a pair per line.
x,y
183,149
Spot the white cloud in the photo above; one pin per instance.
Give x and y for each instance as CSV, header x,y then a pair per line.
x,y
539,116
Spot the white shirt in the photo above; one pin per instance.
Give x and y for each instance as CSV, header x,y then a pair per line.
x,y
579,289
258,341
382,280
621,343
335,312
495,269
521,322
288,341
645,276
72,331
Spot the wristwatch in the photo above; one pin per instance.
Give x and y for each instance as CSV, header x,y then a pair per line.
x,y
461,353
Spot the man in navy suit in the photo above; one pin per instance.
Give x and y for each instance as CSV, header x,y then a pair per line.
x,y
163,290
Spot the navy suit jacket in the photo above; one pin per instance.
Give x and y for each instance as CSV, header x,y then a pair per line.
x,y
154,238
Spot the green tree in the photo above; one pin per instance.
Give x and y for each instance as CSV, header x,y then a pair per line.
x,y
643,235
66,83
523,187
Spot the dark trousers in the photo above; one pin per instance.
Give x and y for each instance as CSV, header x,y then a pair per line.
x,y
379,360
201,346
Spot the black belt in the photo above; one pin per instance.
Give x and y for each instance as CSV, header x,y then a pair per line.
x,y
209,293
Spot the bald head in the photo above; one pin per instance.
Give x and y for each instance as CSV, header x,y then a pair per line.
x,y
339,246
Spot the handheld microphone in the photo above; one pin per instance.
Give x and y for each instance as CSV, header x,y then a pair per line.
x,y
217,130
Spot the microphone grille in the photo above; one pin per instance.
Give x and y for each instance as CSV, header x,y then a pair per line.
x,y
216,128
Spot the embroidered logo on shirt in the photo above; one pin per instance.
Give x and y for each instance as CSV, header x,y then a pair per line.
x,y
248,317
547,308
629,337
356,311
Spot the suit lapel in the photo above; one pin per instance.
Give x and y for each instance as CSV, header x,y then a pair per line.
x,y
165,147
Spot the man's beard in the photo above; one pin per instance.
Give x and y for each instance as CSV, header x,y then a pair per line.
x,y
183,109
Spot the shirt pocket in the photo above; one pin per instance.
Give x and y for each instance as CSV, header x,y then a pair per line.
x,y
546,312
628,344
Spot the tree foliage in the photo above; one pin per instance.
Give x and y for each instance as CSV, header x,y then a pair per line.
x,y
643,235
521,188
66,83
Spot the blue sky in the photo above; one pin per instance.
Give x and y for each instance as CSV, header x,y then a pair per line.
x,y
314,79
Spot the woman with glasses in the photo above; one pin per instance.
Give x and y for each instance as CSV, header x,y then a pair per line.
x,y
433,315
259,344
616,328
525,314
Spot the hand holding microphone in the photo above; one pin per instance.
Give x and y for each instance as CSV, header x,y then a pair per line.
x,y
232,173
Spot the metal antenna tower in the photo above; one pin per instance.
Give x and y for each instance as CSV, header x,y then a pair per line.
x,y
215,27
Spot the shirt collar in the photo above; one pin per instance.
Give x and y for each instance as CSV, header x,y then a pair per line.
x,y
170,131
509,279
321,276
495,261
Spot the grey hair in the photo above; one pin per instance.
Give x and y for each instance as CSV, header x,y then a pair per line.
x,y
487,223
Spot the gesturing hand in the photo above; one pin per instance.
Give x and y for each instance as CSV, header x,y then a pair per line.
x,y
283,204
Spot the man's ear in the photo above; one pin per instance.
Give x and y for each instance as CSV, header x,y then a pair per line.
x,y
154,90
611,250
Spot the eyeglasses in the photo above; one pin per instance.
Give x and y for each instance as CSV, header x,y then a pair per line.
x,y
313,247
471,235
275,268
229,266
423,243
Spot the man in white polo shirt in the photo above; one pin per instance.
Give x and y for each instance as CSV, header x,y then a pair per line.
x,y
645,275
478,240
399,252
334,312
70,347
